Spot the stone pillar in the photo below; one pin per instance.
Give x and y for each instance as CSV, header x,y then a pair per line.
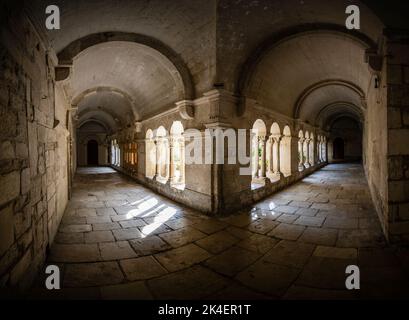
x,y
270,153
300,153
312,152
263,156
319,152
182,154
277,156
257,164
172,160
307,153
157,143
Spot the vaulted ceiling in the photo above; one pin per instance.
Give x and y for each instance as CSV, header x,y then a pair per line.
x,y
312,75
122,81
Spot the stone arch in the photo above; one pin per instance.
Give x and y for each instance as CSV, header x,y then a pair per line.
x,y
259,127
328,112
275,129
78,98
330,82
66,55
248,67
102,123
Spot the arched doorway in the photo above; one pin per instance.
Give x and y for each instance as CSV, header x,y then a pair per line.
x,y
92,153
338,146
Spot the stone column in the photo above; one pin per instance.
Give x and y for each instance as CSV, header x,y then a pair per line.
x,y
263,156
172,160
277,141
301,153
312,152
270,169
182,155
307,153
157,143
256,164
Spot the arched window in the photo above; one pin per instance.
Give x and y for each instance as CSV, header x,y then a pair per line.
x,y
150,155
162,155
285,152
258,153
301,158
177,156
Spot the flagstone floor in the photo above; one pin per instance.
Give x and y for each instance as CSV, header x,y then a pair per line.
x,y
120,240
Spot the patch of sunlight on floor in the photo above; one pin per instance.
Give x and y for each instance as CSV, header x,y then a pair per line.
x,y
158,221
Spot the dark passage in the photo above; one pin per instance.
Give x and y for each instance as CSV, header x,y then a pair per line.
x,y
338,149
92,152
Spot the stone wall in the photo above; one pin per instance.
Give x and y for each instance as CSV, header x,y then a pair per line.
x,y
375,145
398,134
33,151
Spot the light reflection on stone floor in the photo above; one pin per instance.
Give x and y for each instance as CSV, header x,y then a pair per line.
x,y
120,240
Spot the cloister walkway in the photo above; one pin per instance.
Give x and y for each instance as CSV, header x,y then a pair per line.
x,y
119,239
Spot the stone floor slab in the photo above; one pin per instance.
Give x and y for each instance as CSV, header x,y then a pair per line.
x,y
149,245
193,283
127,234
319,236
217,242
232,261
268,278
74,253
290,253
182,236
142,268
287,231
183,257
92,274
116,250
98,236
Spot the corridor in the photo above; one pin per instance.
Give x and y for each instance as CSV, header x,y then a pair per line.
x,y
118,239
